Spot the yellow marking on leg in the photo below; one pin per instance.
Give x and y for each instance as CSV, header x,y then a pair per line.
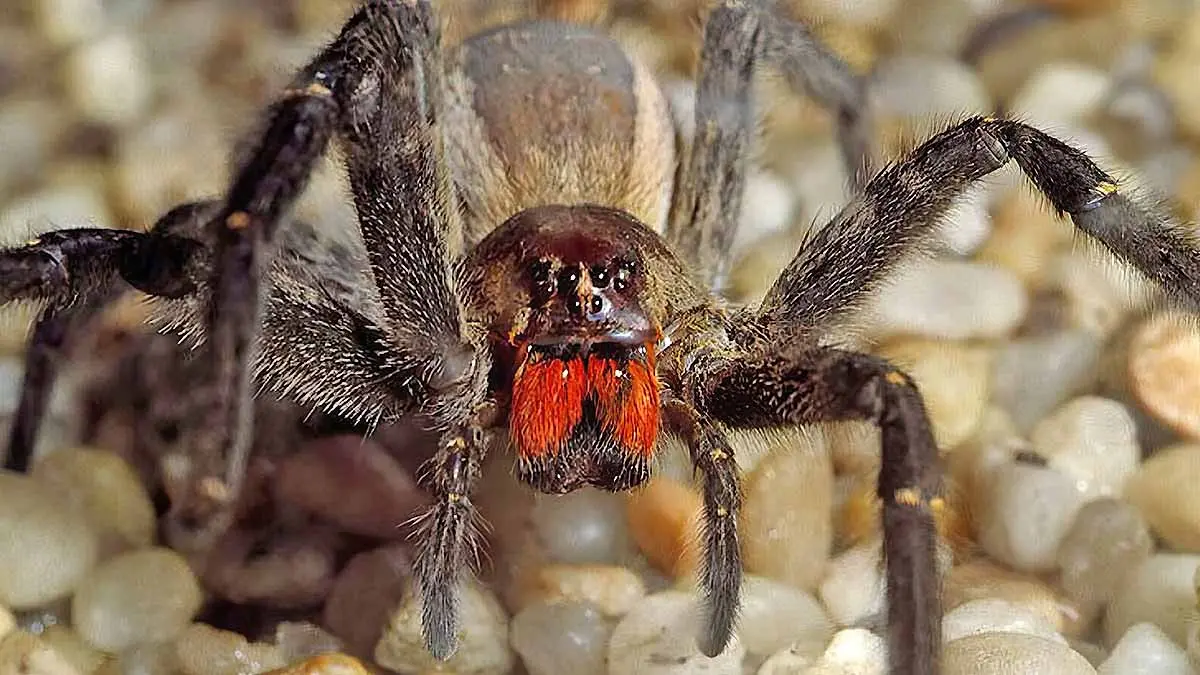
x,y
722,511
990,119
214,489
312,89
909,497
238,220
453,497
897,378
718,455
1106,188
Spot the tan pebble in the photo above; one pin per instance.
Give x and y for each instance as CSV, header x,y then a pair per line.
x,y
1175,73
106,491
204,650
22,653
664,520
1024,237
859,516
953,378
324,664
979,580
1164,490
1164,371
998,653
612,589
7,622
1080,6
67,643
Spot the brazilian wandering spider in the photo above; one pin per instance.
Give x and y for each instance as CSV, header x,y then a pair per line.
x,y
509,197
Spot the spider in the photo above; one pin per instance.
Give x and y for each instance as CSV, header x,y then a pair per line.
x,y
512,279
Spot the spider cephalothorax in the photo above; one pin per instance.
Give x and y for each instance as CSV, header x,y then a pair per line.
x,y
511,279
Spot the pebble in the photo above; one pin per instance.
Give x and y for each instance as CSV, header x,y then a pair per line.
x,y
611,589
1025,235
981,579
298,640
767,207
73,648
1031,509
1160,590
1100,293
659,638
1175,71
1092,440
993,615
30,127
363,596
1012,654
952,300
1107,540
52,208
107,79
1146,650
969,224
953,378
786,521
582,527
926,87
352,483
274,565
325,664
483,647
854,651
561,638
1032,375
664,519
67,22
143,596
853,588
1061,94
106,490
203,650
8,622
776,617
152,658
1164,370
23,653
45,549
1164,491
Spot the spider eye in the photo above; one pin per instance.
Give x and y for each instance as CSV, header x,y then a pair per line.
x,y
596,305
600,276
568,281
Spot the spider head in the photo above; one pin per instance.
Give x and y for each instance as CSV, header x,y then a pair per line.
x,y
565,293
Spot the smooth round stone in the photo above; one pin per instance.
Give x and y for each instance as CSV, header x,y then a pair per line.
x,y
1107,540
363,596
203,650
23,653
981,580
582,527
664,520
854,588
1100,294
926,86
1012,654
66,22
1164,491
854,651
73,649
1033,375
953,378
776,616
658,637
152,658
561,638
994,615
326,664
969,225
1030,510
863,13
1061,94
1025,235
612,590
767,207
299,640
107,79
79,204
1160,591
144,596
106,490
8,622
483,647
786,521
1146,650
46,548
1092,440
1164,371
951,300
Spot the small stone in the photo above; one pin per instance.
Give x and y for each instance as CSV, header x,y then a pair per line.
x,y
1107,540
67,22
1160,591
612,590
8,622
1031,509
65,642
1033,375
105,489
1164,491
776,616
980,580
953,379
1100,294
951,300
664,519
324,664
1025,236
107,79
786,523
864,13
1012,654
968,227
1164,371
72,205
854,588
203,650
994,615
144,596
925,87
1092,440
363,596
30,128
1146,650
586,526
299,640
1061,94
658,637
483,647
854,651
152,658
767,207
22,653
561,638
45,548
274,565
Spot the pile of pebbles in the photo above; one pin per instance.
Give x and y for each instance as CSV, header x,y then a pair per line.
x,y
1065,397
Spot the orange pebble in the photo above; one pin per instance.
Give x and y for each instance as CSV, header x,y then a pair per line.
x,y
665,521
324,664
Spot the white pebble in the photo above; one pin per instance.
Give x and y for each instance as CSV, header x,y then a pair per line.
x,y
1060,94
46,548
1031,509
658,637
969,223
107,79
203,650
582,527
854,587
22,653
1094,441
1164,491
67,22
561,638
952,300
767,207
148,595
1146,650
855,651
1031,376
1012,654
73,205
925,87
1108,539
859,13
775,616
103,487
993,615
1160,591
